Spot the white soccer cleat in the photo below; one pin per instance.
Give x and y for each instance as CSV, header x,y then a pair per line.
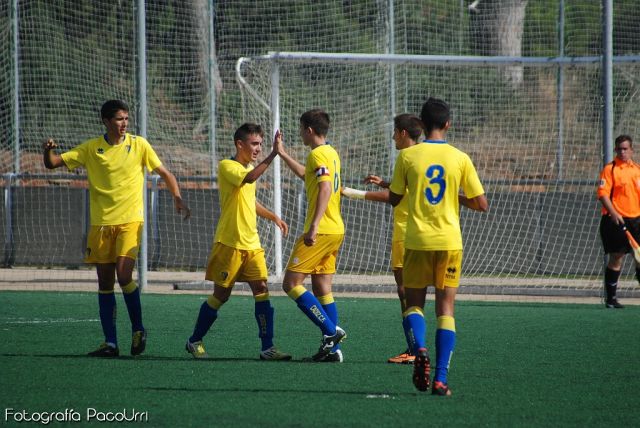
x,y
273,354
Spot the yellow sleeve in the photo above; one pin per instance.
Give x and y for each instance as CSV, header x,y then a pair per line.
x,y
149,157
398,182
471,185
233,172
75,157
321,167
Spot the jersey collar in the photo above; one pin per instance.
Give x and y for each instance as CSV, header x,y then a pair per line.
x,y
620,162
106,139
326,143
435,141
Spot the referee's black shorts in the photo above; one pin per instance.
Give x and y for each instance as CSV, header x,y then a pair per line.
x,y
613,237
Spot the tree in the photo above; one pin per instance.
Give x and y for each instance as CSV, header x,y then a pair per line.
x,y
496,28
200,15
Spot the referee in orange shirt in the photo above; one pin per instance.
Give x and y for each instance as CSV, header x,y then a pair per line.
x,y
619,193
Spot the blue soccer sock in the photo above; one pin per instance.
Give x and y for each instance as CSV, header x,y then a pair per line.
x,y
206,317
445,344
329,306
131,294
312,308
407,328
264,318
415,328
107,310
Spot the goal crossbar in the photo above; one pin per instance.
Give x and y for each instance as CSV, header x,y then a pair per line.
x,y
432,59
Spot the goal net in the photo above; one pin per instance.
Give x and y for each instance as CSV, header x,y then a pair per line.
x,y
537,151
61,60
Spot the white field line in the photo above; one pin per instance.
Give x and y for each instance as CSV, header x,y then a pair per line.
x,y
50,321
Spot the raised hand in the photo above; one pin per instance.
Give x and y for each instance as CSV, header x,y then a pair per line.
x,y
49,144
278,142
50,158
374,179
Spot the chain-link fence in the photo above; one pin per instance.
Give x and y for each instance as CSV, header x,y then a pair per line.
x,y
535,133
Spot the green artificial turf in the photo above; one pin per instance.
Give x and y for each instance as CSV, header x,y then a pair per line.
x,y
516,364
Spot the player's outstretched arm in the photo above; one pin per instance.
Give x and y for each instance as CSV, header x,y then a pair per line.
x,y
294,165
263,212
51,159
479,203
256,172
172,185
378,196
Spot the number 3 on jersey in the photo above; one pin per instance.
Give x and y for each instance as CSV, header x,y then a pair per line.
x,y
435,174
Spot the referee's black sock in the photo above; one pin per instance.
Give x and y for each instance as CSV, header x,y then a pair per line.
x,y
611,282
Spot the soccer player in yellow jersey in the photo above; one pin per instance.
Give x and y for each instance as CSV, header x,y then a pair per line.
x,y
406,133
236,254
315,252
115,165
431,175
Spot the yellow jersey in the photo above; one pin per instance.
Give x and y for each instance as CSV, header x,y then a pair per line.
x,y
116,175
323,164
237,226
431,174
400,214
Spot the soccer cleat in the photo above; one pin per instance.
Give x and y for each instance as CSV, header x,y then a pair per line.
x,y
105,351
421,370
328,343
196,349
138,342
273,354
332,357
405,358
613,304
440,388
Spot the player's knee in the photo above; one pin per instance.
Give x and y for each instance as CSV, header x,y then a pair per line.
x,y
106,285
287,286
259,288
615,261
221,294
124,280
221,300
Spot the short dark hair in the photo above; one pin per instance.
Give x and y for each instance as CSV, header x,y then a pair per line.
x,y
111,107
410,123
246,129
435,114
622,138
316,119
